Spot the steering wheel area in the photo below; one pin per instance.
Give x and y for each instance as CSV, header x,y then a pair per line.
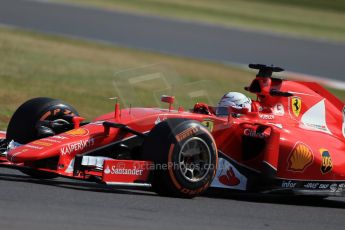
x,y
202,108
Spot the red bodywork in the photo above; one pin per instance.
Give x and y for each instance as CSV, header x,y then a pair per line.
x,y
291,142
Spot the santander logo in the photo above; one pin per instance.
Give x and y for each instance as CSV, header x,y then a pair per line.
x,y
123,171
107,170
229,178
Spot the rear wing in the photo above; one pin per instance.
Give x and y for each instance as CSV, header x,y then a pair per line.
x,y
317,88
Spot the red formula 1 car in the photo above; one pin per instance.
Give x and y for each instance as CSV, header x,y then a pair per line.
x,y
292,140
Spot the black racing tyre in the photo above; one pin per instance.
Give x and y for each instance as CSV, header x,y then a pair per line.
x,y
23,124
22,127
184,155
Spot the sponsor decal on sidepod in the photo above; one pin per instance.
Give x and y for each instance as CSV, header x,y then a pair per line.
x,y
266,116
337,187
279,110
288,184
327,164
300,158
253,133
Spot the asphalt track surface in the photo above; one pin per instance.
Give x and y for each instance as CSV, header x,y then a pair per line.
x,y
27,203
177,37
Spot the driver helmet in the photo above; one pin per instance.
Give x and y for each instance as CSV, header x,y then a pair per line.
x,y
236,100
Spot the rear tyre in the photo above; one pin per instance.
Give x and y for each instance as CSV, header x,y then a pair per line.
x,y
184,155
23,124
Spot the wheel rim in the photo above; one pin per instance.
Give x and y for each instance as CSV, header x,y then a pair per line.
x,y
194,159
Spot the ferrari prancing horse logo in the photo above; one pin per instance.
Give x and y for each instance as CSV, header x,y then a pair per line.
x,y
208,123
296,105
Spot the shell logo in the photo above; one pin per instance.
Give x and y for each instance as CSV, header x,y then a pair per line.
x,y
78,132
42,143
300,158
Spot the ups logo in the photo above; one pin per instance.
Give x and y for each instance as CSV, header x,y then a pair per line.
x,y
326,165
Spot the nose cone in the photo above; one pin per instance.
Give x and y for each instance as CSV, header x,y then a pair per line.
x,y
32,152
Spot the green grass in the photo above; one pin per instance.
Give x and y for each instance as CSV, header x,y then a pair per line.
x,y
339,93
87,74
332,5
323,19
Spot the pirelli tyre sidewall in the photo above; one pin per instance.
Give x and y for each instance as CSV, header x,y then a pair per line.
x,y
22,126
164,146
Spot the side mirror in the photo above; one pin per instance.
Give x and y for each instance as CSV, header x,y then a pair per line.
x,y
77,120
168,99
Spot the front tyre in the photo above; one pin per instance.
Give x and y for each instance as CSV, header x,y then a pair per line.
x,y
23,124
184,155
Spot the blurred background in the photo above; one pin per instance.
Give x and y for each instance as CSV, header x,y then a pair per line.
x,y
86,51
